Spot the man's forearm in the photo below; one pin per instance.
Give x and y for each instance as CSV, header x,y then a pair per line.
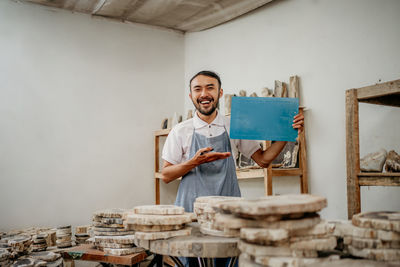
x,y
173,172
273,151
263,158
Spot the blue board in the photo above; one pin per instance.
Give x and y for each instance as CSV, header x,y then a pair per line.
x,y
263,118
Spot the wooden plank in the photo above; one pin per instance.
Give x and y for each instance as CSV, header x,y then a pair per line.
x,y
378,90
286,172
157,168
268,171
157,190
249,173
87,252
157,153
163,132
379,180
379,174
387,100
280,89
268,180
303,159
352,153
294,87
259,173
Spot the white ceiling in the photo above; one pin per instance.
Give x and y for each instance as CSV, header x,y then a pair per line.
x,y
181,15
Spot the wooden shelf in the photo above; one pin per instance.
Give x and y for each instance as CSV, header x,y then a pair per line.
x,y
381,94
379,179
266,173
259,173
388,94
256,173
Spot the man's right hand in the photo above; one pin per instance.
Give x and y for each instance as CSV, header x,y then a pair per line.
x,y
205,155
171,171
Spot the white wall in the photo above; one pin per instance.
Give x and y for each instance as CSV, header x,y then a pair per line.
x,y
79,100
332,46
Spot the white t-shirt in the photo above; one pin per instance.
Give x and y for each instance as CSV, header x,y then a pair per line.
x,y
177,146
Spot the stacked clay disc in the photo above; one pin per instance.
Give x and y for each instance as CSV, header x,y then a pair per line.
x,y
110,222
205,210
39,242
283,230
117,245
152,222
82,234
372,235
17,245
110,234
64,236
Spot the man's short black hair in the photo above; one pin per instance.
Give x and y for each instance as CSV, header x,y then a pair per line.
x,y
209,74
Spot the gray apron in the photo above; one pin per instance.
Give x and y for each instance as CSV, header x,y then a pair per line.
x,y
216,178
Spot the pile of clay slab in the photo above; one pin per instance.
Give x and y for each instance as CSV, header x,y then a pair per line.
x,y
205,210
110,222
39,242
82,234
117,245
17,250
110,234
64,236
153,222
372,235
17,245
283,230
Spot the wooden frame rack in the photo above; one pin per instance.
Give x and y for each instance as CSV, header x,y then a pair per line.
x,y
381,94
266,173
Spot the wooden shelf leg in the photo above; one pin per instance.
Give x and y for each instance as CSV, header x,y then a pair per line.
x,y
157,168
268,180
69,263
157,189
352,153
303,160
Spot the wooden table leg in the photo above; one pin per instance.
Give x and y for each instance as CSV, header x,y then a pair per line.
x,y
156,261
177,261
232,261
352,154
69,263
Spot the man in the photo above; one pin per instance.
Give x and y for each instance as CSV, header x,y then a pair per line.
x,y
199,149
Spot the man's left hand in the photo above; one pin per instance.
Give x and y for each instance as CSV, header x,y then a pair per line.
x,y
298,122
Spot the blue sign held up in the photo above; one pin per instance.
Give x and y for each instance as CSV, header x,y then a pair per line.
x,y
263,118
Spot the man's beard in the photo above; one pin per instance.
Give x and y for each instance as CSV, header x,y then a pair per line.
x,y
214,105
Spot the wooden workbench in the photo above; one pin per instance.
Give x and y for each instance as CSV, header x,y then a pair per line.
x,y
88,252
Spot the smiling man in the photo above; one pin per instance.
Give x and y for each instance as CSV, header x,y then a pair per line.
x,y
200,151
